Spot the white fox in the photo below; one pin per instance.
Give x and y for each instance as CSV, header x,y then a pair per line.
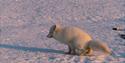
x,y
74,37
78,41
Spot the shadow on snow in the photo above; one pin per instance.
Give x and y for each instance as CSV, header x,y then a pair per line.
x,y
31,49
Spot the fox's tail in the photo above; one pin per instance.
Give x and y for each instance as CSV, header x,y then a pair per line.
x,y
97,44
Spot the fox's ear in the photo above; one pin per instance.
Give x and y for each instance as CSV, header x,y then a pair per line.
x,y
50,19
58,26
59,21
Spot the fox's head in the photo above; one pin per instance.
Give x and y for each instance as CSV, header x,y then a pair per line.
x,y
53,30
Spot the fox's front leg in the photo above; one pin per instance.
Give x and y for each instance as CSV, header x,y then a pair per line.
x,y
69,51
73,52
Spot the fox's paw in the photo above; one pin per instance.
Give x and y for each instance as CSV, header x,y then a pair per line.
x,y
67,52
71,53
88,55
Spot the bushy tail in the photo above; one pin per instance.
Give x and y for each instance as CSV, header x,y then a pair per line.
x,y
96,44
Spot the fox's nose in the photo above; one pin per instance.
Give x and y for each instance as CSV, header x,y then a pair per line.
x,y
114,28
49,36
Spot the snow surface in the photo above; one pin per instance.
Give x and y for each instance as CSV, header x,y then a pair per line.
x,y
24,25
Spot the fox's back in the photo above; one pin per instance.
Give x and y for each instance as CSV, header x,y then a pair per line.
x,y
75,33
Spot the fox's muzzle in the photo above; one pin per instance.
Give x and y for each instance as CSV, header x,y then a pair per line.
x,y
49,35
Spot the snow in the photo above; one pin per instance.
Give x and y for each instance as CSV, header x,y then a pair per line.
x,y
24,25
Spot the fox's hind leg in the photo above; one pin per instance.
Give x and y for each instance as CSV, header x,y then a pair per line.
x,y
88,51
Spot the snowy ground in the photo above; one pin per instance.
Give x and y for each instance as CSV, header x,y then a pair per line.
x,y
24,25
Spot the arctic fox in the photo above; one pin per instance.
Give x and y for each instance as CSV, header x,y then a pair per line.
x,y
74,37
79,42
